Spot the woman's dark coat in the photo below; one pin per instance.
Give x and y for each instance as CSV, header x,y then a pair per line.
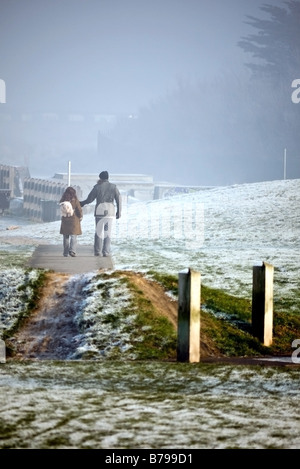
x,y
71,225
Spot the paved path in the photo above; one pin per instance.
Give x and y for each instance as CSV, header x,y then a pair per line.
x,y
50,257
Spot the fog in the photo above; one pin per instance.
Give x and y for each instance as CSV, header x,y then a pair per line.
x,y
111,84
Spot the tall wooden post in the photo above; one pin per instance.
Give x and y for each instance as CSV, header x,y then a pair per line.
x,y
189,305
262,303
2,351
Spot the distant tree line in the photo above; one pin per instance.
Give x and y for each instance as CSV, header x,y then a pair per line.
x,y
228,131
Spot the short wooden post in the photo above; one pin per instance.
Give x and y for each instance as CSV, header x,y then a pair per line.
x,y
189,305
2,351
262,303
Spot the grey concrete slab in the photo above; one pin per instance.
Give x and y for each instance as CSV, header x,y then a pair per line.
x,y
50,257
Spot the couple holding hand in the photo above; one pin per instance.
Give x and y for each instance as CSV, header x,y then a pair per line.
x,y
108,206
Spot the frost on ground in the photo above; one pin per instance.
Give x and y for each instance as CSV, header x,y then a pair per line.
x,y
130,405
15,293
107,328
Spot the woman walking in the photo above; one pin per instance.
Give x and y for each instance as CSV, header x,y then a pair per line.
x,y
70,221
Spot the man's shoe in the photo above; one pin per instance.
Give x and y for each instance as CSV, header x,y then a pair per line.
x,y
72,253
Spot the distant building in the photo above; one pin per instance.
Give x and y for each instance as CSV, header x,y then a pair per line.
x,y
139,186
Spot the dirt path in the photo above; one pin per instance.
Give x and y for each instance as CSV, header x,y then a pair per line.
x,y
50,331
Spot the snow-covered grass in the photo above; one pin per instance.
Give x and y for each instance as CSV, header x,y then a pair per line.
x,y
106,330
133,405
221,232
16,291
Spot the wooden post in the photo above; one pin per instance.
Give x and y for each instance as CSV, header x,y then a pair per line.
x,y
2,351
262,303
189,299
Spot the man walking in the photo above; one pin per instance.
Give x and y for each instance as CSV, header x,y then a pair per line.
x,y
108,206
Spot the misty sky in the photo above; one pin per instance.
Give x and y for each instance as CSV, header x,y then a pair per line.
x,y
113,56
